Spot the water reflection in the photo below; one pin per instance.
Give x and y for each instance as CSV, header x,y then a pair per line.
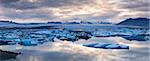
x,y
68,51
52,56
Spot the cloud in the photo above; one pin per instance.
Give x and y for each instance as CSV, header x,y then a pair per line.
x,y
67,10
31,4
8,1
139,5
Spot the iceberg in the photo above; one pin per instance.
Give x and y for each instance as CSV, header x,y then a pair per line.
x,y
28,42
10,36
106,46
101,45
124,46
7,42
90,44
112,46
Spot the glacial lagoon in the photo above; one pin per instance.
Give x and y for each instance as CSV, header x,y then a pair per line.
x,y
63,45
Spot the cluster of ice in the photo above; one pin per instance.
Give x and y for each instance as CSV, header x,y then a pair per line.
x,y
35,37
119,32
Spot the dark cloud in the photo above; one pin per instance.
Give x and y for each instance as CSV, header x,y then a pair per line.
x,y
73,9
89,17
8,1
139,5
27,4
29,14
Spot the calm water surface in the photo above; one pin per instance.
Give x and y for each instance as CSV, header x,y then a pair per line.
x,y
68,51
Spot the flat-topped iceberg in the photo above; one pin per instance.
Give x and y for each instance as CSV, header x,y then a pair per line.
x,y
90,44
106,46
101,45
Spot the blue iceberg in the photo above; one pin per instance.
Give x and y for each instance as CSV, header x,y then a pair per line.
x,y
106,46
28,42
90,45
101,45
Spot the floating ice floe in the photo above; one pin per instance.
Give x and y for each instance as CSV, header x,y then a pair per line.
x,y
7,42
83,36
136,37
17,40
113,46
101,33
90,45
106,46
51,38
11,43
1,36
70,38
10,36
28,42
101,45
37,36
43,32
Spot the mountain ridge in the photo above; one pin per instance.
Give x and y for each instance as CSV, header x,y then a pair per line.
x,y
143,22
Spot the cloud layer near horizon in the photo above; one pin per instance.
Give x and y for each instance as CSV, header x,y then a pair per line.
x,y
72,10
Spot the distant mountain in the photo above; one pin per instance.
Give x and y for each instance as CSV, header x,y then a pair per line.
x,y
105,22
14,23
82,22
54,22
143,22
7,23
31,23
72,23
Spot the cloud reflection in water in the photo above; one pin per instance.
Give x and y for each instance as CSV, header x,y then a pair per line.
x,y
68,51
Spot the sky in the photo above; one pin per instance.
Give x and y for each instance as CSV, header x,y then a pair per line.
x,y
72,10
